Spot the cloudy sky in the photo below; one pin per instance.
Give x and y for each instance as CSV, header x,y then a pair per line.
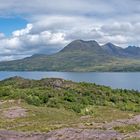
x,y
45,26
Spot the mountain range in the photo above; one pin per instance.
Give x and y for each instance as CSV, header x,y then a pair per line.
x,y
81,56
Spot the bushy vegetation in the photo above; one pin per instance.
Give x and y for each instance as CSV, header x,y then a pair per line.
x,y
58,93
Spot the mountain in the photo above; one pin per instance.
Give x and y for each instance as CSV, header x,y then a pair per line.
x,y
113,49
80,45
81,55
133,51
130,51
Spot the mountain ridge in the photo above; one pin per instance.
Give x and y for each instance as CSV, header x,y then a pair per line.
x,y
80,55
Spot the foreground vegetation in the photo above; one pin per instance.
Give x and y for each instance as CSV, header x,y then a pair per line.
x,y
44,119
128,128
77,97
83,108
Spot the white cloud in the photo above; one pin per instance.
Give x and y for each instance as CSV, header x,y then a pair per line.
x,y
54,23
48,35
10,7
23,31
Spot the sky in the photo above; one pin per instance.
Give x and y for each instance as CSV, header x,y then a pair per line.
x,y
30,27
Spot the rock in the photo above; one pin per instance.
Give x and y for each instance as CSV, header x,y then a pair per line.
x,y
15,112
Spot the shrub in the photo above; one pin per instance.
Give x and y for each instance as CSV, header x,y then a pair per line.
x,y
34,100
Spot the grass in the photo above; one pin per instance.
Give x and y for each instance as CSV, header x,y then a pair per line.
x,y
44,119
38,118
128,128
106,114
133,139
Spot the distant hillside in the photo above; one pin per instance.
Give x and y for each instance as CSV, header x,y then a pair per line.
x,y
81,55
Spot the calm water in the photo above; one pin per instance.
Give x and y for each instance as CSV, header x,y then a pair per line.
x,y
115,80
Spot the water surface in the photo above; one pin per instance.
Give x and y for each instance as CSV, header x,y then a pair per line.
x,y
113,79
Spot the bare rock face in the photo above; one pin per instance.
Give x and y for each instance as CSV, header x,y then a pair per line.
x,y
63,134
83,134
68,134
56,83
12,135
15,112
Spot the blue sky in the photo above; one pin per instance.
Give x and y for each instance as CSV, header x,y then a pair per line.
x,y
29,27
8,25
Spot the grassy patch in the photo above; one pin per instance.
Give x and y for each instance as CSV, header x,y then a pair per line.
x,y
103,113
133,139
128,128
44,119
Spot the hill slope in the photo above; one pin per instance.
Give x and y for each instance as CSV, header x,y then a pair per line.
x,y
37,107
81,55
55,93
